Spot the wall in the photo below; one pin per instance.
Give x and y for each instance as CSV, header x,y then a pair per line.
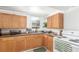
x,y
29,21
71,22
71,19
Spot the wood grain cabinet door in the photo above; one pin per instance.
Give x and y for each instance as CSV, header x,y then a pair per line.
x,y
33,41
20,43
18,21
45,41
4,20
23,21
55,21
48,42
27,43
12,21
7,44
61,17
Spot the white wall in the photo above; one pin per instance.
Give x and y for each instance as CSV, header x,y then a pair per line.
x,y
29,21
71,19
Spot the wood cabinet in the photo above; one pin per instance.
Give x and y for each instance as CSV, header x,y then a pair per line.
x,y
48,42
36,41
55,21
7,44
22,43
12,21
33,41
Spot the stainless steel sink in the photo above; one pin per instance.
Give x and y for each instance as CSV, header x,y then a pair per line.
x,y
74,40
62,37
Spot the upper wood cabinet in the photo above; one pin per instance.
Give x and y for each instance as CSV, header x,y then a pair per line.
x,y
12,21
55,21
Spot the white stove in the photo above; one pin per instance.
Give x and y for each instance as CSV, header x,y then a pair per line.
x,y
67,44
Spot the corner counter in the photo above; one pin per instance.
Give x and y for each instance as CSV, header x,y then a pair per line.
x,y
22,42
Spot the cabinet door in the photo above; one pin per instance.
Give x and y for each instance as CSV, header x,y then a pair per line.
x,y
33,41
61,17
1,24
7,44
56,21
23,21
36,42
20,43
45,41
48,42
27,43
4,20
12,21
18,21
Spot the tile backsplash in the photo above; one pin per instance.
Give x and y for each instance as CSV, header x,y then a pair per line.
x,y
6,31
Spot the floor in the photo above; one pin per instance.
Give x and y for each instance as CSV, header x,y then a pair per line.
x,y
31,50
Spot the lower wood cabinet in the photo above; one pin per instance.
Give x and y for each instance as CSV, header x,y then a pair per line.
x,y
7,44
22,43
33,41
48,42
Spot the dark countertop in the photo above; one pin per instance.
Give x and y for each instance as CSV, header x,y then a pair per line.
x,y
26,34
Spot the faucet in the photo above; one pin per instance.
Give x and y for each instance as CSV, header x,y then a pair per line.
x,y
61,33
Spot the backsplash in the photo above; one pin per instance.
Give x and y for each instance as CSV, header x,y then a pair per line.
x,y
53,30
65,32
6,31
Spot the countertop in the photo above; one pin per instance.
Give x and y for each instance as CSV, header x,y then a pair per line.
x,y
26,34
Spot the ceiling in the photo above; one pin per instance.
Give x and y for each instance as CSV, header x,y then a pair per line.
x,y
36,11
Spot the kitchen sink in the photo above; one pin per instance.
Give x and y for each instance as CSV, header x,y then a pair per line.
x,y
74,40
62,37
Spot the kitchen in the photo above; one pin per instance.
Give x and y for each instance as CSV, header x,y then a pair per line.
x,y
39,29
